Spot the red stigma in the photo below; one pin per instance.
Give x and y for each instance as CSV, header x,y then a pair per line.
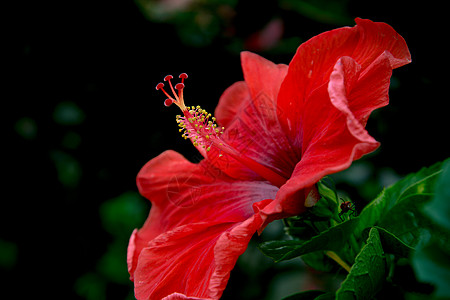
x,y
159,86
176,98
183,76
168,102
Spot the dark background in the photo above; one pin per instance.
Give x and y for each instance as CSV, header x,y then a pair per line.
x,y
81,117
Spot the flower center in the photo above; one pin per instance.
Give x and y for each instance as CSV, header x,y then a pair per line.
x,y
201,128
198,125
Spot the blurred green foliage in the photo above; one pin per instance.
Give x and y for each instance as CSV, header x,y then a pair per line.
x,y
200,23
118,216
68,168
123,213
325,11
26,128
8,255
68,113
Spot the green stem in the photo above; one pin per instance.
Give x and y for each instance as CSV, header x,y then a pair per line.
x,y
336,258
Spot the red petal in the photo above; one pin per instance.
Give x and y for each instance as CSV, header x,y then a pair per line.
x,y
181,260
338,136
263,77
201,257
230,245
376,38
314,61
371,90
230,102
334,82
200,218
248,111
178,296
342,80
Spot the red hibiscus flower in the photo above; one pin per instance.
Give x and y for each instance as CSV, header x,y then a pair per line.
x,y
276,134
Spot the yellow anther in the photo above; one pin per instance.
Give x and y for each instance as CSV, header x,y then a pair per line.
x,y
199,126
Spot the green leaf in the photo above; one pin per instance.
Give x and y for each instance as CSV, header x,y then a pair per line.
x,y
367,273
392,244
432,265
319,261
326,296
317,218
333,239
431,261
398,207
327,189
439,208
327,206
407,222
